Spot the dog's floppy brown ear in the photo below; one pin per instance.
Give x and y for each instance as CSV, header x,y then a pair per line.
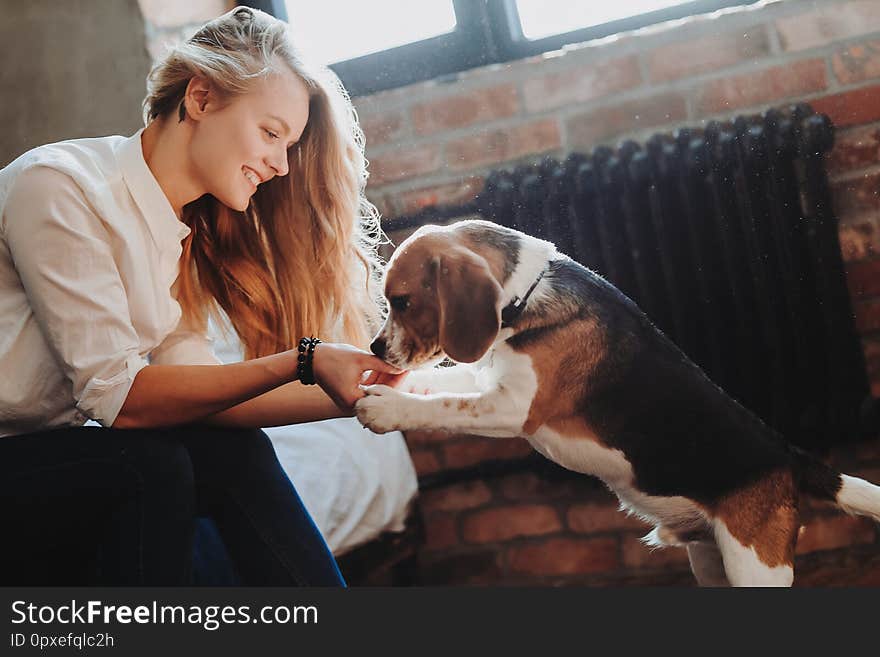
x,y
469,299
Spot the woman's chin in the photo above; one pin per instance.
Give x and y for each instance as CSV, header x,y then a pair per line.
x,y
239,204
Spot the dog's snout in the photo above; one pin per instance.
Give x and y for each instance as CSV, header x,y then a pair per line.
x,y
378,347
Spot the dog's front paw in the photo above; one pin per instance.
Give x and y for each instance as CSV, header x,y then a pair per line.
x,y
385,409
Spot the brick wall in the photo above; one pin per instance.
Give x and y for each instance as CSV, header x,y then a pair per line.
x,y
435,142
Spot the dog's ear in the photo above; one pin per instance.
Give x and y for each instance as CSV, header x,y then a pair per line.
x,y
469,298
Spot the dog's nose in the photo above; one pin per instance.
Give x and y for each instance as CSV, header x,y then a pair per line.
x,y
378,347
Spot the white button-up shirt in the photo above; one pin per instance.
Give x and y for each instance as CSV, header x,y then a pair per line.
x,y
89,251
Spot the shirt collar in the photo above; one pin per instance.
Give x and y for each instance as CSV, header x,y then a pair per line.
x,y
167,230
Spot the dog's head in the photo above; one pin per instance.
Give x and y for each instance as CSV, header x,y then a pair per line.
x,y
443,301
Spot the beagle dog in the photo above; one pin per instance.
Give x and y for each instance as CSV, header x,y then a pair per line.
x,y
547,350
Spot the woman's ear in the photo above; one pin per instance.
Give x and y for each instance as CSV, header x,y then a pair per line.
x,y
197,99
469,299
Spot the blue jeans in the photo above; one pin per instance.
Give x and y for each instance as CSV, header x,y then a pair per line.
x,y
98,506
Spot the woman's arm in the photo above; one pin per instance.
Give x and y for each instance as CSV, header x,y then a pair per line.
x,y
239,394
290,403
166,395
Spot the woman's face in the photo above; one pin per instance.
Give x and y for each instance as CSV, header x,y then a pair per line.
x,y
243,143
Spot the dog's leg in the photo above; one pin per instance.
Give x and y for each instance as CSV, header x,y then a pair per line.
x,y
455,379
744,566
706,563
496,412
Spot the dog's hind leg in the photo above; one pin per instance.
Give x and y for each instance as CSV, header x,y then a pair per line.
x,y
707,564
756,564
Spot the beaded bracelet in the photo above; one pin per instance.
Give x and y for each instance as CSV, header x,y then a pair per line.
x,y
304,371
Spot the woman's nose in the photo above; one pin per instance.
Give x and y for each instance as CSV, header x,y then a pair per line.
x,y
278,163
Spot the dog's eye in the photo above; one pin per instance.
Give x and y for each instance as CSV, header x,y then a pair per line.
x,y
399,303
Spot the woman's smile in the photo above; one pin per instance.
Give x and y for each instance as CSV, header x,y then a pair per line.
x,y
252,176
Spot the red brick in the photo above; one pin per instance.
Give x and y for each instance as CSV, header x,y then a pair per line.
x,y
856,569
477,450
529,486
638,555
465,495
707,53
832,532
564,556
824,25
854,107
504,523
495,146
859,240
857,63
854,148
441,532
863,279
469,568
867,316
424,461
762,87
868,474
466,109
385,126
856,195
869,450
405,163
425,437
585,130
582,84
454,193
595,518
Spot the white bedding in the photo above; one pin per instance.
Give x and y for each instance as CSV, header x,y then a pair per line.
x,y
356,484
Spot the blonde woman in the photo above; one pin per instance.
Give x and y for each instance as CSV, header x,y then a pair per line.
x,y
242,196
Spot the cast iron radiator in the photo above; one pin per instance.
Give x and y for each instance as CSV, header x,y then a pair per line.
x,y
726,238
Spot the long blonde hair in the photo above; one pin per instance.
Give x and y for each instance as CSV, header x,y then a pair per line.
x,y
301,260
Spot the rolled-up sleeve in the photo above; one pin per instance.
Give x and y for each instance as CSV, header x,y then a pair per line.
x,y
63,254
185,346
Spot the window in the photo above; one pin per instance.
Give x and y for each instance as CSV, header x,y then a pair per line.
x,y
380,44
543,18
350,34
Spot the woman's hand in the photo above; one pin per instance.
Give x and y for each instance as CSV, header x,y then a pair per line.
x,y
340,371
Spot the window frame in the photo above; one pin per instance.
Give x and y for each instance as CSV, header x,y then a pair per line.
x,y
486,32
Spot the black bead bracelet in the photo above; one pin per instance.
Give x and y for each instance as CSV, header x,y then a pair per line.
x,y
304,370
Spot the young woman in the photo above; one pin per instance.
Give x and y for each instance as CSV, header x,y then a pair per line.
x,y
243,196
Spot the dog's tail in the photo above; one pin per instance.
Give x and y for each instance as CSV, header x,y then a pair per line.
x,y
851,494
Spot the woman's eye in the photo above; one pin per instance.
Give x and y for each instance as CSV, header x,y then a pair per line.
x,y
272,135
399,303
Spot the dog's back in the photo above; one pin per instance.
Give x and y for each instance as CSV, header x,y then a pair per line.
x,y
672,444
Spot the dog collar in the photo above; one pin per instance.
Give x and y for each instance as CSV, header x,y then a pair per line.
x,y
514,309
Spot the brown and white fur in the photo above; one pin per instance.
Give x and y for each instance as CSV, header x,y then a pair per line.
x,y
587,379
